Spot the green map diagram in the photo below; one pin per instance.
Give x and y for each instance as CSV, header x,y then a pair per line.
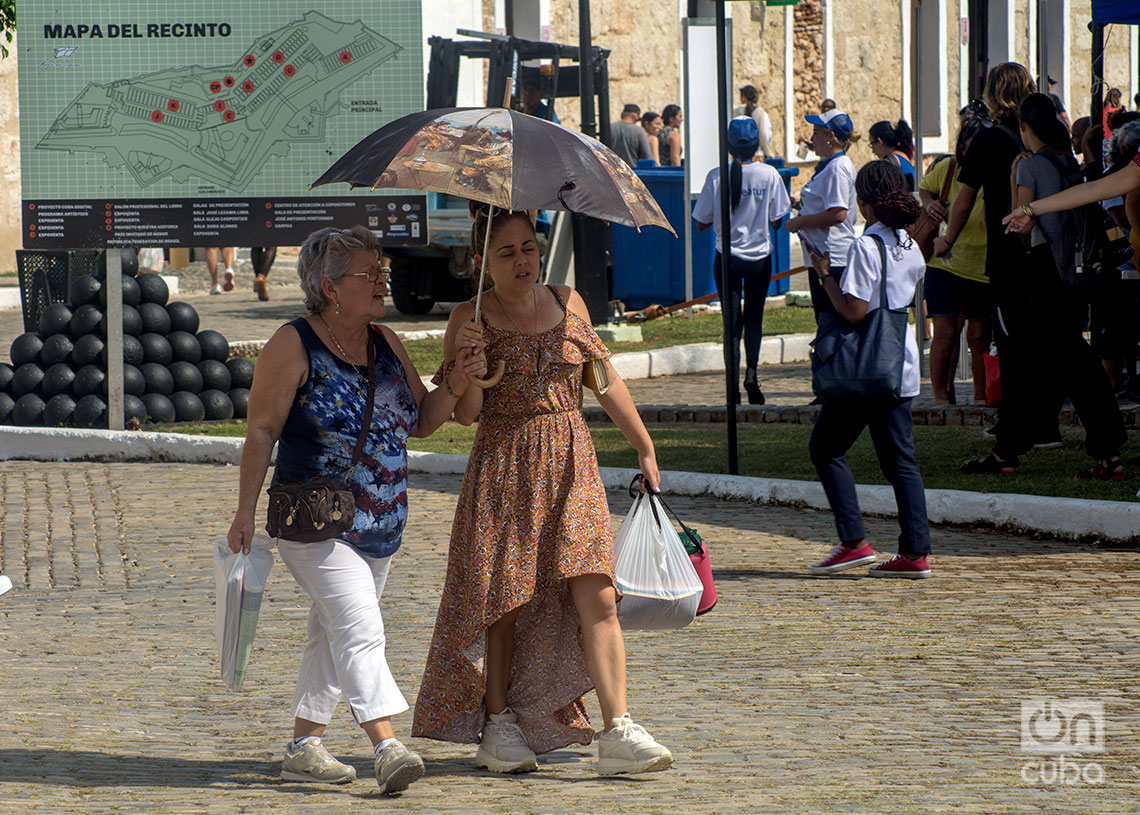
x,y
223,123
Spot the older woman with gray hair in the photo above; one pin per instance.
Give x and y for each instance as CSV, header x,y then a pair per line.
x,y
309,397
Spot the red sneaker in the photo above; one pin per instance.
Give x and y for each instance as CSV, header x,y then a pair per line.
x,y
845,557
900,566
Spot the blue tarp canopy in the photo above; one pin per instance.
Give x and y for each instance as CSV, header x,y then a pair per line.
x,y
1116,11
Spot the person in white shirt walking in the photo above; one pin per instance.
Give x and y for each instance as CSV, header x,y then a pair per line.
x,y
758,200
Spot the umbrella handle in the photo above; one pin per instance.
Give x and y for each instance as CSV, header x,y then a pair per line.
x,y
490,381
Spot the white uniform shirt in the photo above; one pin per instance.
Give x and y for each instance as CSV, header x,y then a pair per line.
x,y
831,186
905,268
763,199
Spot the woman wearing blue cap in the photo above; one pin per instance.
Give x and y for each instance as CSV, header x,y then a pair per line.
x,y
757,198
827,202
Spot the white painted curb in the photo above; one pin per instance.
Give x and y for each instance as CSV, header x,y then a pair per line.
x,y
1063,517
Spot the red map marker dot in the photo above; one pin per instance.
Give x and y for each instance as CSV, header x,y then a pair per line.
x,y
346,57
156,116
229,81
220,105
249,60
229,115
289,70
215,87
247,86
31,206
173,105
278,57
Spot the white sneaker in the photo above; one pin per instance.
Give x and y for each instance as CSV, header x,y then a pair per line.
x,y
627,748
217,289
397,767
502,746
314,763
228,277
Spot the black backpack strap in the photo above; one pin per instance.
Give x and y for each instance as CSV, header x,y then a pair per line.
x,y
883,274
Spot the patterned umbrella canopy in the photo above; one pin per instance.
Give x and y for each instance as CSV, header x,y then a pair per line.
x,y
500,157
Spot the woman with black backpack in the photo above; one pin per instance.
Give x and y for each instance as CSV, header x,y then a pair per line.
x,y
1047,320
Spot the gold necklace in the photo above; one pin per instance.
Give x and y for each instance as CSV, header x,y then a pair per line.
x,y
534,292
336,342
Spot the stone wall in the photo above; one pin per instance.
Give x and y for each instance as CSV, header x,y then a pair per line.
x,y
9,163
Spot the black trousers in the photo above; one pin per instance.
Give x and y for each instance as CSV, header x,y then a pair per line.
x,y
752,278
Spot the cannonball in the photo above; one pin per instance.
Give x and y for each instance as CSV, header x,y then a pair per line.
x,y
86,320
156,348
153,289
27,379
240,399
184,346
58,379
183,317
88,350
58,410
131,294
134,411
187,407
214,345
217,405
133,382
132,350
159,409
25,348
83,290
57,348
157,379
129,259
241,372
55,319
29,410
90,411
7,405
186,376
215,375
155,320
88,380
132,322
6,374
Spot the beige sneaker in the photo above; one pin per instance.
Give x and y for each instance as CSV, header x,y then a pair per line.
x,y
627,748
397,767
314,763
502,746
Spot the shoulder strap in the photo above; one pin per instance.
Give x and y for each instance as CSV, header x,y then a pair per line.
x,y
1065,173
558,298
368,404
944,196
883,274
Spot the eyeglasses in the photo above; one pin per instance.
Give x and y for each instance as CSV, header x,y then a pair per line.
x,y
374,275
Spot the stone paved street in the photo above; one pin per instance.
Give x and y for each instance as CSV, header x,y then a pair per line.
x,y
795,695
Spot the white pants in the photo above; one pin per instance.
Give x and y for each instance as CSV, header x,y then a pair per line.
x,y
345,652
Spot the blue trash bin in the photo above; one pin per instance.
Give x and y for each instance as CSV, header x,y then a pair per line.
x,y
649,267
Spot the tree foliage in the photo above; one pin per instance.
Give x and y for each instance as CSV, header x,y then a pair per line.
x,y
7,24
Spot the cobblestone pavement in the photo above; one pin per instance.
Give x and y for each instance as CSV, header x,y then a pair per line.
x,y
794,695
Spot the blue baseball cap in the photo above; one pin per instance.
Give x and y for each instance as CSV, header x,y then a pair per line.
x,y
838,122
743,132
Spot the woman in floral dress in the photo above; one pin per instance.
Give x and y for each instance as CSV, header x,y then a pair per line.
x,y
528,622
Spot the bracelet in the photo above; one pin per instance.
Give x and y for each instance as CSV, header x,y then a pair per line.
x,y
1028,210
448,367
453,394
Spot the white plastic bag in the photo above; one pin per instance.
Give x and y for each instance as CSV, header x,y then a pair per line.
x,y
659,586
240,581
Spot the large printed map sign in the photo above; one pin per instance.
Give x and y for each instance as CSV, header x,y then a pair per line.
x,y
140,126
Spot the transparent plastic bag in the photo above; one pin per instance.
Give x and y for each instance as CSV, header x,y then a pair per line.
x,y
659,586
240,582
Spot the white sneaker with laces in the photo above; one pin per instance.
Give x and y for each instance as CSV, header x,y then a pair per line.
x,y
502,746
627,748
397,767
217,289
314,763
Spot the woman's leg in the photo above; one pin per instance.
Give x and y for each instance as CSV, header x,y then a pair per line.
x,y
892,433
757,278
943,353
500,650
604,648
730,300
837,426
978,341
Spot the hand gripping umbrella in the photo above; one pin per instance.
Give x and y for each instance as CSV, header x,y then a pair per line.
x,y
504,158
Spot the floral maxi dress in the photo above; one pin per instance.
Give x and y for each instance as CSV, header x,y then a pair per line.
x,y
532,512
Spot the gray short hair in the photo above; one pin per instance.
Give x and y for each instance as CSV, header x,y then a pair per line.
x,y
1125,140
327,253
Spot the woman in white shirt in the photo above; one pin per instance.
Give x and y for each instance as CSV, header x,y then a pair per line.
x,y
827,201
889,209
757,199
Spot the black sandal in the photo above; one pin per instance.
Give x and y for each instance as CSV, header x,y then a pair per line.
x,y
1108,470
990,465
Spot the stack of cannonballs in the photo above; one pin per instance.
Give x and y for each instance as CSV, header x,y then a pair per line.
x,y
172,372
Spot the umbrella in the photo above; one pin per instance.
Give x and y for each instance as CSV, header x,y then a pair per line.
x,y
500,157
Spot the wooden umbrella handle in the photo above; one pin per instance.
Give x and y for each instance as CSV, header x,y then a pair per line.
x,y
490,381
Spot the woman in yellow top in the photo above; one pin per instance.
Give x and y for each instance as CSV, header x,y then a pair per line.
x,y
956,288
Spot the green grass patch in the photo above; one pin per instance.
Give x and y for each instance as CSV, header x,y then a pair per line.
x,y
662,333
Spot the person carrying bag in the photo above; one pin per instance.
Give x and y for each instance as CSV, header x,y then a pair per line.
x,y
867,374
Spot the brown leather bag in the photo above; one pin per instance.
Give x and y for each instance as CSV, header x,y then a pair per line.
x,y
925,229
320,508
